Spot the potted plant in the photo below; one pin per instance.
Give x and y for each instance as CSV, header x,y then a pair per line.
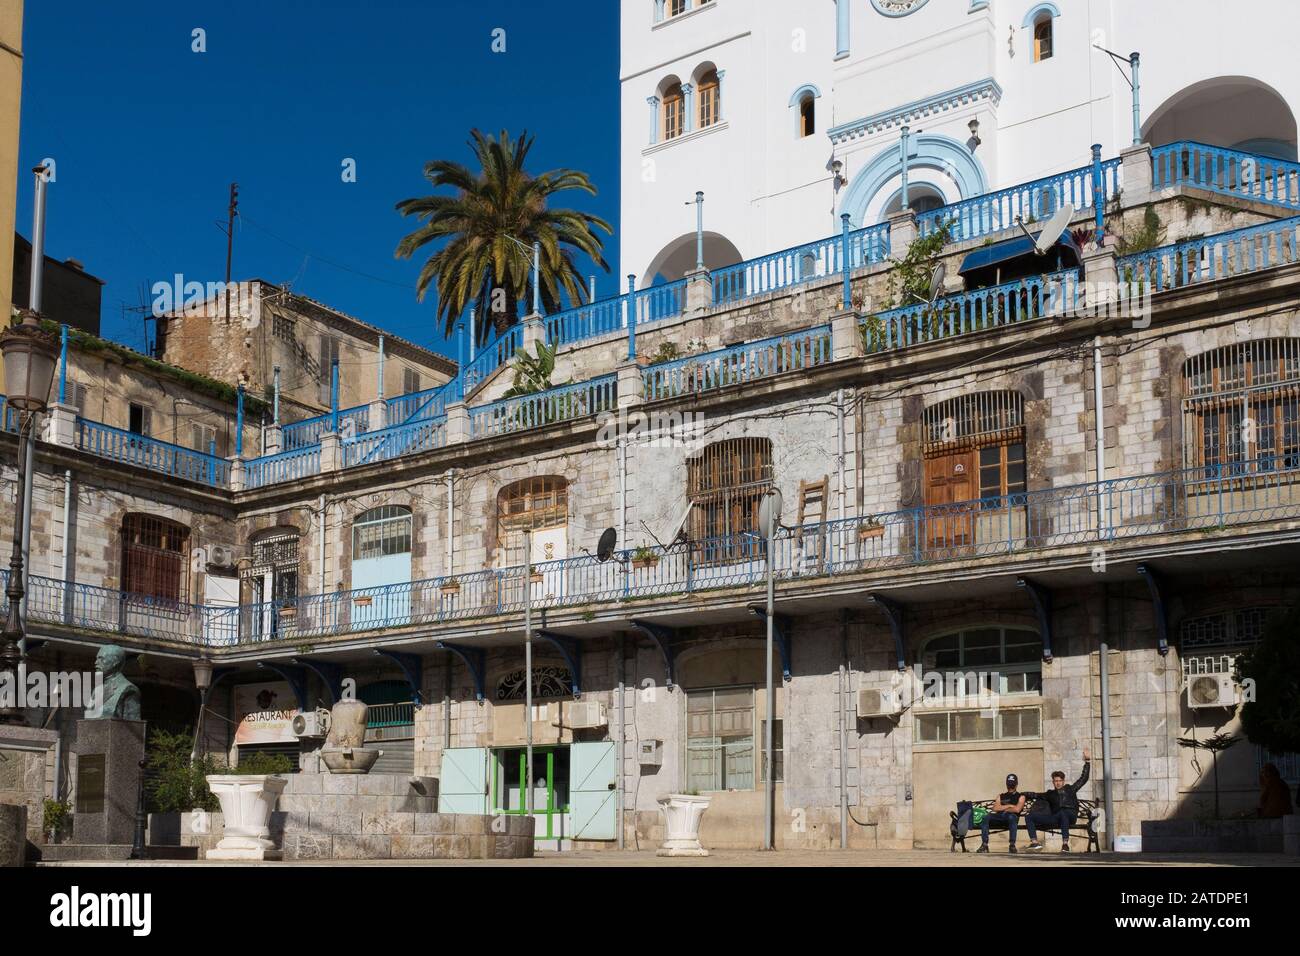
x,y
870,528
55,820
683,813
644,557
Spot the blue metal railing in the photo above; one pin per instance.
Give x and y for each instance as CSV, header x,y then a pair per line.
x,y
308,431
1225,254
430,403
1054,294
141,451
1170,503
490,358
740,363
1227,171
801,264
8,416
1030,202
284,466
545,408
408,438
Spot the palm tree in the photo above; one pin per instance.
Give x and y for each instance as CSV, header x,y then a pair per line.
x,y
490,224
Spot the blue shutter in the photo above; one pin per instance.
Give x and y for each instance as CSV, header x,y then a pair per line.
x,y
386,598
592,796
462,781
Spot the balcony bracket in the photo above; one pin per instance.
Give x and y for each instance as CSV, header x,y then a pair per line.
x,y
412,666
1158,592
666,639
476,660
893,612
295,676
1042,599
571,651
780,631
331,675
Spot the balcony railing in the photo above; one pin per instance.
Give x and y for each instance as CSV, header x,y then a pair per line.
x,y
545,408
1227,171
1220,256
429,403
799,265
741,363
1030,202
174,461
1054,294
285,466
405,439
490,358
1211,498
308,431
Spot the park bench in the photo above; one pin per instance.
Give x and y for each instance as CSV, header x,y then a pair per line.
x,y
1086,822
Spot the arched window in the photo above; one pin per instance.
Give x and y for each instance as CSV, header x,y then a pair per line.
x,y
710,92
807,115
674,122
920,198
725,485
1043,37
154,553
538,505
381,533
963,673
1241,413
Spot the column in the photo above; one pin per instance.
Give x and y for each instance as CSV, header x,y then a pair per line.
x,y
688,94
841,28
653,102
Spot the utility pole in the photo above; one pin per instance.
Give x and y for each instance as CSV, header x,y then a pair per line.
x,y
230,239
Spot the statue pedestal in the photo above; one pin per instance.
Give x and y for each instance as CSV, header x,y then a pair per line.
x,y
107,780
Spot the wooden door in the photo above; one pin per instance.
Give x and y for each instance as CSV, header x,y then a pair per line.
x,y
949,499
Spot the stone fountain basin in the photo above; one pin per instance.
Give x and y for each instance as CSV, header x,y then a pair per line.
x,y
350,760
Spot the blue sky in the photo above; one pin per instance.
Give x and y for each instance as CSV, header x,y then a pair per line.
x,y
147,135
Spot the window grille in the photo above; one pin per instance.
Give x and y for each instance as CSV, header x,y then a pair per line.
x,y
381,532
725,484
154,557
533,504
970,421
1243,626
1242,409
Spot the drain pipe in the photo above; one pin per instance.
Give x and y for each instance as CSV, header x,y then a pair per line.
x,y
446,708
451,523
324,524
27,523
844,732
1108,794
622,734
839,450
1099,423
67,544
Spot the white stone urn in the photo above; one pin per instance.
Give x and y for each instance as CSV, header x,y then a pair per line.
x,y
246,805
682,815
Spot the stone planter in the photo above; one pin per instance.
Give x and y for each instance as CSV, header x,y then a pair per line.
x,y
682,816
246,805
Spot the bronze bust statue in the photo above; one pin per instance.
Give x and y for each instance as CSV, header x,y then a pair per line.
x,y
118,698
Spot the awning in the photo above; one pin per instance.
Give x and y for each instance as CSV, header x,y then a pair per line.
x,y
1002,252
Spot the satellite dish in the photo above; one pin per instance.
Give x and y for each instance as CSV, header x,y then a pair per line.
x,y
769,512
605,547
1052,231
936,280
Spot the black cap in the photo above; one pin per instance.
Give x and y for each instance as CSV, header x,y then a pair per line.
x,y
1012,780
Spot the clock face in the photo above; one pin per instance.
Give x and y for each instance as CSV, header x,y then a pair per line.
x,y
897,8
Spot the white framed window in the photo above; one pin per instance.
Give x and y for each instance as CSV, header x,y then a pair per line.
x,y
381,532
723,750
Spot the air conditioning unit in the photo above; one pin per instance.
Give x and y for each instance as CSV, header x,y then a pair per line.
x,y
221,556
586,714
876,703
311,723
650,753
1211,690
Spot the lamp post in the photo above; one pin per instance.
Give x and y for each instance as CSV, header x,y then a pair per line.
x,y
29,359
528,671
769,518
203,681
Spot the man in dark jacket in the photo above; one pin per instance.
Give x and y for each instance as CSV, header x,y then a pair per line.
x,y
1062,807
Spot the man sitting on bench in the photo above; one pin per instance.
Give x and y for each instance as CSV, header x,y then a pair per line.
x,y
1006,809
1062,807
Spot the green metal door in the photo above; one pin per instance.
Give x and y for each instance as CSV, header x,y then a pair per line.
x,y
463,781
592,796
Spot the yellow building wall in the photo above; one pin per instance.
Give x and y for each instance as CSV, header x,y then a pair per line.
x,y
11,86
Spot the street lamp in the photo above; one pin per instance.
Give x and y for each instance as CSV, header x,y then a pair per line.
x,y
29,358
203,681
769,520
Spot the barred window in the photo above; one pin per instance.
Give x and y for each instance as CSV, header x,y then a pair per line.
x,y
986,660
974,447
381,532
725,485
1242,410
154,557
533,504
1240,627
